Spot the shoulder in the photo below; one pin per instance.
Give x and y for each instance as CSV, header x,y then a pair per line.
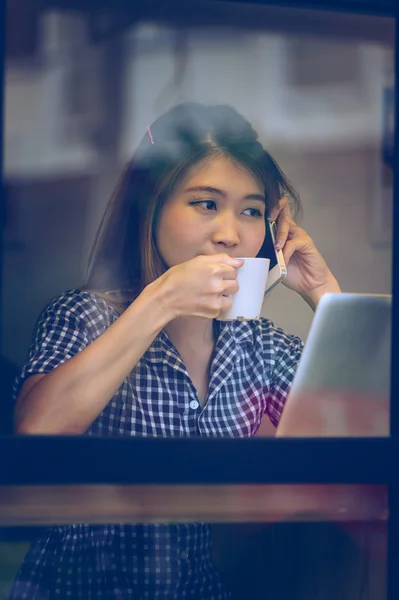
x,y
77,306
275,335
78,301
265,332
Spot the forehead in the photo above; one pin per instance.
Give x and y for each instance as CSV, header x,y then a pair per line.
x,y
223,173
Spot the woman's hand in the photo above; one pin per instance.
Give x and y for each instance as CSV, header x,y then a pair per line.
x,y
308,273
200,287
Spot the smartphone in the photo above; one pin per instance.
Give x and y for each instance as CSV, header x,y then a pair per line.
x,y
277,269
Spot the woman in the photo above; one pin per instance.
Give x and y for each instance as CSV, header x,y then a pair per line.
x,y
139,351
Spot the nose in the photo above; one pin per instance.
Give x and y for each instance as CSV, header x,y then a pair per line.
x,y
226,232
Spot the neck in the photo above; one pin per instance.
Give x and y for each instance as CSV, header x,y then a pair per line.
x,y
191,332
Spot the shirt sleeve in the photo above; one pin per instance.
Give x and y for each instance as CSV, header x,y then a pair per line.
x,y
285,350
60,333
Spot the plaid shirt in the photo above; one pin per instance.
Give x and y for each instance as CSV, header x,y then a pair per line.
x,y
251,374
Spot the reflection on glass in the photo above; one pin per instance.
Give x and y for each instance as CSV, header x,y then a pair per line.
x,y
283,540
137,347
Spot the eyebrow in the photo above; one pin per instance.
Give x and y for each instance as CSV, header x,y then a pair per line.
x,y
212,190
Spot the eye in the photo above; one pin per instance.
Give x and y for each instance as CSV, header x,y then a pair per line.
x,y
206,204
254,212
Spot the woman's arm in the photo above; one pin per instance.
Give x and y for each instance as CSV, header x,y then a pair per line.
x,y
69,398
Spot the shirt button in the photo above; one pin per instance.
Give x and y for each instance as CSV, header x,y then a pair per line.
x,y
194,404
184,555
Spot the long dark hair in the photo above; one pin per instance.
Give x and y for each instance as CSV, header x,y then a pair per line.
x,y
125,257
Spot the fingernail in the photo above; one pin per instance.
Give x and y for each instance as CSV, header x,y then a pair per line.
x,y
278,244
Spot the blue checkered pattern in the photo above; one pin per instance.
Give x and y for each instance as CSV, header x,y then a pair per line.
x,y
251,374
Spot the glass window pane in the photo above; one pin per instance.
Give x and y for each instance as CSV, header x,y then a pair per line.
x,y
141,343
318,88
299,541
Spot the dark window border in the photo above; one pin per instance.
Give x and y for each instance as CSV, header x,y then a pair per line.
x,y
66,460
28,460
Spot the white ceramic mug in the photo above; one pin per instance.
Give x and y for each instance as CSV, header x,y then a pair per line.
x,y
247,302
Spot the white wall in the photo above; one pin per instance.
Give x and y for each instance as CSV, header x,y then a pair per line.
x,y
38,124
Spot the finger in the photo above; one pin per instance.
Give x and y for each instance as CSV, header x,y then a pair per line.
x,y
282,205
230,288
288,251
229,260
229,272
296,232
297,244
284,224
285,231
227,303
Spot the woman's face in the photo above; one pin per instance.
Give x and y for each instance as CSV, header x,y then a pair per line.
x,y
218,207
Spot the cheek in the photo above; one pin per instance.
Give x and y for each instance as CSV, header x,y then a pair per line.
x,y
176,235
176,228
256,237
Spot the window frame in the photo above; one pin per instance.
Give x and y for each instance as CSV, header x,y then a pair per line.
x,y
371,461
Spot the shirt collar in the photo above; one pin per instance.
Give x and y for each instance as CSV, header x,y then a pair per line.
x,y
231,335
